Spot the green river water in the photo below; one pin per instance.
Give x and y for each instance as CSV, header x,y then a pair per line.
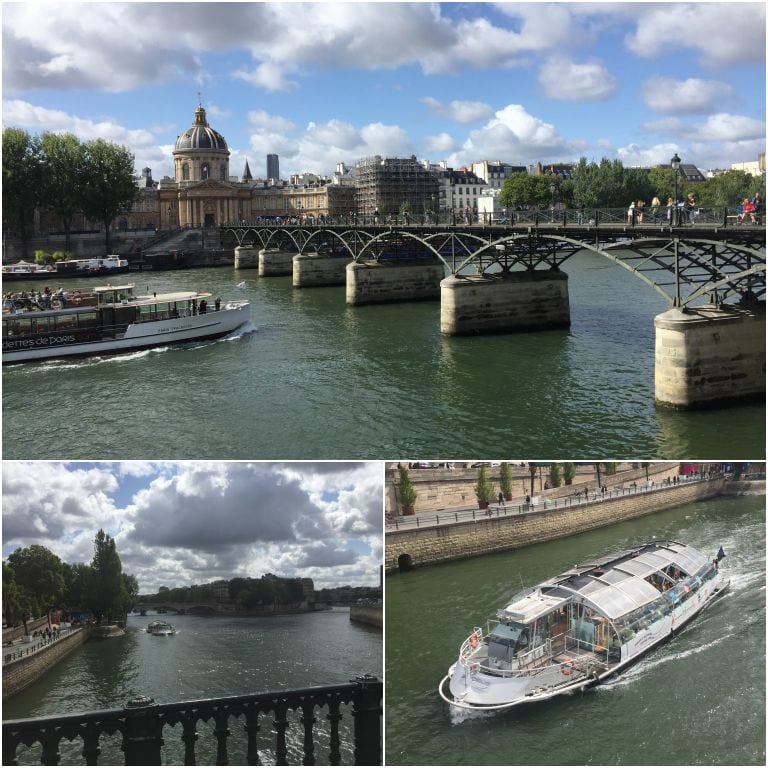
x,y
312,378
698,699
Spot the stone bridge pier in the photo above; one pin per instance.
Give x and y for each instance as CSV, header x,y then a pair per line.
x,y
709,355
378,282
502,302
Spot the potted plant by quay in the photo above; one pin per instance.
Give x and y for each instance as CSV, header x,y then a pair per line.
x,y
483,489
407,491
505,480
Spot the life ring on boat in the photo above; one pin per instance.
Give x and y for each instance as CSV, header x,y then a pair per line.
x,y
567,667
76,300
473,640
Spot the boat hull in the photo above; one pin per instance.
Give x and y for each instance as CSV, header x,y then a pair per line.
x,y
139,336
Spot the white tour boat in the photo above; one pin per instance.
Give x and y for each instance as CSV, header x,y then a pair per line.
x,y
110,320
161,629
104,265
582,626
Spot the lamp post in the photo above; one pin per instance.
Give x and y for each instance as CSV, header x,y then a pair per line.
x,y
552,201
675,163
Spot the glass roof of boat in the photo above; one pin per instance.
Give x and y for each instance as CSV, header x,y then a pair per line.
x,y
617,585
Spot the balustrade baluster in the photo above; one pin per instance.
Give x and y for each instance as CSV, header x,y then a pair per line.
x,y
142,738
91,748
221,732
308,720
367,715
251,727
50,742
334,717
281,725
189,737
9,751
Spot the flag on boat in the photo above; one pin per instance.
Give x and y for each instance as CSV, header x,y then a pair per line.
x,y
720,554
241,285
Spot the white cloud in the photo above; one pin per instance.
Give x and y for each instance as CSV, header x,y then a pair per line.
x,y
566,80
200,521
722,33
441,143
690,96
725,127
460,111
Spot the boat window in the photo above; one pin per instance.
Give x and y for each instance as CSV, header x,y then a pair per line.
x,y
66,322
41,324
88,319
505,639
17,327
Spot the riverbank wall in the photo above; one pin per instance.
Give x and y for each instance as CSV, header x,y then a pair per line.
x,y
21,673
744,488
367,614
438,544
440,489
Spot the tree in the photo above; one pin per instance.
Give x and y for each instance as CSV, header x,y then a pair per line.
x,y
505,479
13,600
62,188
22,176
525,189
569,472
107,591
77,581
483,489
110,188
408,493
39,574
555,476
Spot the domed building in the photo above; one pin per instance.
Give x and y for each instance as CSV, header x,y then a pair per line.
x,y
202,194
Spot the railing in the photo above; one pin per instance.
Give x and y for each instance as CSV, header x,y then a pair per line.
x,y
508,510
716,216
141,723
35,647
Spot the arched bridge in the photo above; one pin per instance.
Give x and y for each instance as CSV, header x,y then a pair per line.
x,y
194,607
712,258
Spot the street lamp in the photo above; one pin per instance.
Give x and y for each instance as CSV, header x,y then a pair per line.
x,y
552,189
675,163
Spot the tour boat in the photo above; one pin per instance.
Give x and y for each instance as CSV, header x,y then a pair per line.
x,y
110,320
582,626
161,629
106,265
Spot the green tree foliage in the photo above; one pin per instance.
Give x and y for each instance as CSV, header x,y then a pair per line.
x,y
64,182
525,189
569,472
22,177
107,595
77,583
730,188
505,478
608,184
39,574
110,188
611,467
13,600
408,493
483,489
555,476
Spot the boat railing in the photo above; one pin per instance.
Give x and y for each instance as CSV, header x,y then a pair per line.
x,y
577,645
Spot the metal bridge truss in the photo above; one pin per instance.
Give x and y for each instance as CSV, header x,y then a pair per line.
x,y
683,269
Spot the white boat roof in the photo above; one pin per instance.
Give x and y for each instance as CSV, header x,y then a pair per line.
x,y
613,585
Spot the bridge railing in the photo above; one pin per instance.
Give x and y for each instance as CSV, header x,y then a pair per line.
x,y
558,216
295,739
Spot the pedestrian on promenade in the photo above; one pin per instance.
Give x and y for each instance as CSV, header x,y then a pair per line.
x,y
502,503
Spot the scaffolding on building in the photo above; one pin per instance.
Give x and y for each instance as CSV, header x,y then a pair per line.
x,y
394,185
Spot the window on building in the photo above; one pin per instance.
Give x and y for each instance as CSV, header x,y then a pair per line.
x,y
185,172
223,172
205,171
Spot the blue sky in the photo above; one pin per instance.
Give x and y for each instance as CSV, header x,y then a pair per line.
x,y
323,83
178,524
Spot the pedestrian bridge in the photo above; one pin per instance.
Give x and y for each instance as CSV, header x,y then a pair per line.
x,y
505,277
711,259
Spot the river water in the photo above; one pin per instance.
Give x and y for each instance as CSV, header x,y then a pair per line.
x,y
313,378
209,657
696,700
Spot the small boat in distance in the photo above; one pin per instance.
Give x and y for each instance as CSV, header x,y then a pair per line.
x,y
583,626
161,629
106,265
111,319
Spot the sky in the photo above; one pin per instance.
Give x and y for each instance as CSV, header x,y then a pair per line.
x,y
323,83
178,524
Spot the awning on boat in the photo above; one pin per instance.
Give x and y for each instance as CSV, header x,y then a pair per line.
x,y
532,606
